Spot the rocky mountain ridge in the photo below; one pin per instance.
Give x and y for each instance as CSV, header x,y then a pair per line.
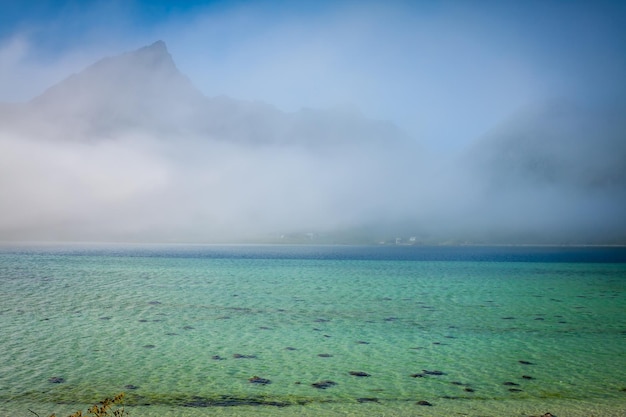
x,y
129,150
144,91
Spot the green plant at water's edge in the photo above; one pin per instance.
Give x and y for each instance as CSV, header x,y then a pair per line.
x,y
109,407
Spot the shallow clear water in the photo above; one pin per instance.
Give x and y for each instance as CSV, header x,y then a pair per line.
x,y
187,326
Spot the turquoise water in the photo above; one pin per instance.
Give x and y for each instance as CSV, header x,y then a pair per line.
x,y
181,330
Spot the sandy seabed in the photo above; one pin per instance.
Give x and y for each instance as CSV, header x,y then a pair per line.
x,y
442,407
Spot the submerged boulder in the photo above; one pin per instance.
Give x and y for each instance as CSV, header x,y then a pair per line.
x,y
359,373
323,384
258,380
367,400
435,373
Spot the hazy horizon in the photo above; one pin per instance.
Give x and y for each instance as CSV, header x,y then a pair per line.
x,y
353,121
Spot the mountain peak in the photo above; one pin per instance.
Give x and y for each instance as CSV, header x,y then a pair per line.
x,y
155,55
157,46
131,89
142,69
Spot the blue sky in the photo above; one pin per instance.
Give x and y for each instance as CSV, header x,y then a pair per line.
x,y
446,71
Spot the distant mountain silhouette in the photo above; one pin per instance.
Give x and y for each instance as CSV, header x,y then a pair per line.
x,y
171,164
143,92
557,143
137,89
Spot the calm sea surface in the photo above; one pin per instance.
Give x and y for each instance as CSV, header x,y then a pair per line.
x,y
327,330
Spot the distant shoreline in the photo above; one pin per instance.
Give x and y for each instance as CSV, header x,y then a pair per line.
x,y
311,243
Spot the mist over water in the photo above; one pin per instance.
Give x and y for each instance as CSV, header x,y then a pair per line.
x,y
143,146
139,187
